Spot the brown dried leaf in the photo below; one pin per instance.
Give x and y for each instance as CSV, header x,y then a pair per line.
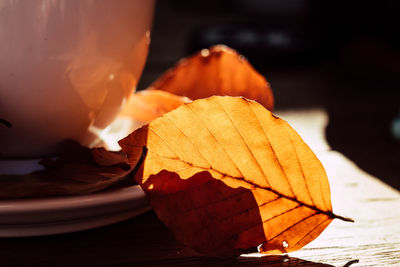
x,y
225,175
216,71
79,170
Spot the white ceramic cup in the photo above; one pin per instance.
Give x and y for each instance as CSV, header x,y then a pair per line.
x,y
66,69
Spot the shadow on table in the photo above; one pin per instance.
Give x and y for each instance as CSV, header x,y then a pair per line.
x,y
142,241
273,261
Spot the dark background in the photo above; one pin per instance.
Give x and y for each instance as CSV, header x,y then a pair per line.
x,y
343,56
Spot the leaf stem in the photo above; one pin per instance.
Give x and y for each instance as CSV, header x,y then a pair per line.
x,y
346,219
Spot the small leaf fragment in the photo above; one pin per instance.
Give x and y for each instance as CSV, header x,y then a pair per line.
x,y
219,70
226,175
146,105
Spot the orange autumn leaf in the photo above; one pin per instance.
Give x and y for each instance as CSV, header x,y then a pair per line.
x,y
226,175
216,71
144,106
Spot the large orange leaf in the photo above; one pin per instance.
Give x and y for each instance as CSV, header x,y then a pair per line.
x,y
216,71
226,175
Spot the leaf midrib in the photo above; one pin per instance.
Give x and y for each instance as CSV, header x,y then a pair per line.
x,y
329,213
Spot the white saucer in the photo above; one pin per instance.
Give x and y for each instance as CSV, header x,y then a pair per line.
x,y
56,215
34,217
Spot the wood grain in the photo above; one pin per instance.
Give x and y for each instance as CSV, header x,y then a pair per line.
x,y
374,238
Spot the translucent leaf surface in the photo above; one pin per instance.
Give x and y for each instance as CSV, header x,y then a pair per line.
x,y
226,175
219,70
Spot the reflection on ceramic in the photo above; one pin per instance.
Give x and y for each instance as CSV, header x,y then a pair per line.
x,y
67,67
34,217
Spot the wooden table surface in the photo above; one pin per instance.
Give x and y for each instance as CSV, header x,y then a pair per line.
x,y
373,240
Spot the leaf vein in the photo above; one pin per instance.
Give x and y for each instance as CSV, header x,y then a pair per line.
x,y
228,198
173,151
216,140
244,141
309,232
293,225
301,168
255,225
273,150
187,138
